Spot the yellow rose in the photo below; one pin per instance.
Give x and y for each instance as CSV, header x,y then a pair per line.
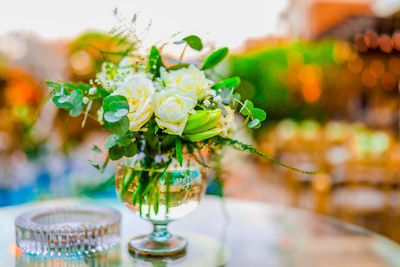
x,y
172,109
189,79
139,91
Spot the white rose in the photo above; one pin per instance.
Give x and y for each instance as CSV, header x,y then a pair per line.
x,y
189,79
139,92
172,109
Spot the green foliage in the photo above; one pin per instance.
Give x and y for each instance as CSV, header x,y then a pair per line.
x,y
155,62
69,101
228,83
235,144
255,115
215,58
96,149
246,108
94,164
178,147
115,116
194,42
178,66
115,107
116,152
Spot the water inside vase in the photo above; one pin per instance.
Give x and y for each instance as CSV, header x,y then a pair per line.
x,y
158,195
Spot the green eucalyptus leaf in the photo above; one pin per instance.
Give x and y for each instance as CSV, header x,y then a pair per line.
x,y
116,152
178,146
76,110
124,140
115,102
111,117
120,127
194,42
96,149
254,123
110,141
259,114
215,58
178,66
246,108
62,101
229,83
131,150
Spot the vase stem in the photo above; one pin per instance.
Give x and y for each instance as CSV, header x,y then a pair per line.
x,y
160,232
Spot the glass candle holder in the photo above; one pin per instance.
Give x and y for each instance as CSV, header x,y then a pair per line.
x,y
68,231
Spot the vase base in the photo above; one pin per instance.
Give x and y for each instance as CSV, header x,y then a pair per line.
x,y
145,246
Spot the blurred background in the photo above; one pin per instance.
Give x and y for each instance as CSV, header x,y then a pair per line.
x,y
326,71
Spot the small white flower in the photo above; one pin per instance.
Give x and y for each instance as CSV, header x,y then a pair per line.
x,y
212,93
207,103
92,90
217,99
85,100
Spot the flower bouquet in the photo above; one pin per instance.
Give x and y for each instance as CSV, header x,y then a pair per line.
x,y
167,124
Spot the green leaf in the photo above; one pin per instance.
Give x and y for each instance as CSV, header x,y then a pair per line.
x,y
178,146
215,58
246,108
254,123
120,127
234,100
226,95
229,83
131,150
259,114
179,42
52,84
110,141
178,66
96,149
94,164
62,101
194,42
124,140
116,108
75,99
116,152
114,103
155,62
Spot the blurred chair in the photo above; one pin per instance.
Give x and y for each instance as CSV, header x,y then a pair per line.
x,y
366,192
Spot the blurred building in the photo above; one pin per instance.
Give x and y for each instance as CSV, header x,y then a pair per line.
x,y
307,19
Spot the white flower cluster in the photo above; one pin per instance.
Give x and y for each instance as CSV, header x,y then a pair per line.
x,y
170,98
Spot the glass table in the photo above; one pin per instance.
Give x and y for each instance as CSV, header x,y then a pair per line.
x,y
226,232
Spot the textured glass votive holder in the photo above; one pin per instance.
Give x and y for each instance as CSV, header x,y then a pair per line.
x,y
68,231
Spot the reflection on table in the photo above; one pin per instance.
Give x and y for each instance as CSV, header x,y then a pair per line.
x,y
229,231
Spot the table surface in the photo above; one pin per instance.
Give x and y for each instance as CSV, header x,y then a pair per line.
x,y
230,232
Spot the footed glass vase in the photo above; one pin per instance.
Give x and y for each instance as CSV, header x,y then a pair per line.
x,y
159,195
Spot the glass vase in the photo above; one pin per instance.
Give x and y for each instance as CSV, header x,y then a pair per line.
x,y
159,195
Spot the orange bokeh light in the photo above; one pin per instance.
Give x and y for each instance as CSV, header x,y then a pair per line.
x,y
388,81
368,78
311,92
394,65
378,67
355,65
